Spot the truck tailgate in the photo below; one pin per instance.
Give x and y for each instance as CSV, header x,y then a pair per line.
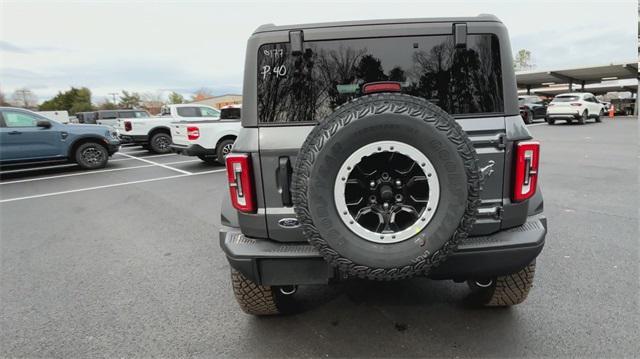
x,y
179,134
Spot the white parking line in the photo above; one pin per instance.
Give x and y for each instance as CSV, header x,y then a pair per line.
x,y
129,158
108,186
91,172
156,163
138,151
39,168
152,156
537,124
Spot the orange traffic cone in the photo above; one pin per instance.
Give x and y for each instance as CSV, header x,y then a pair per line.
x,y
612,110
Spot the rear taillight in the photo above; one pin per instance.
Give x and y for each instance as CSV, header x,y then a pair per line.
x,y
576,104
240,182
127,126
526,170
193,133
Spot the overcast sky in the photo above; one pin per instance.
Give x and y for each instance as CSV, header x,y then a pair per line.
x,y
148,46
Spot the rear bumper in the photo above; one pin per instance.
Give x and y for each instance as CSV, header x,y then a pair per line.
x,y
268,262
567,115
134,139
192,150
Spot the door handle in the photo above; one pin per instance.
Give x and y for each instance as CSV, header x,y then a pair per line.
x,y
284,179
14,132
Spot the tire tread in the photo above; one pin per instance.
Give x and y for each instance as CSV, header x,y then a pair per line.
x,y
512,289
253,299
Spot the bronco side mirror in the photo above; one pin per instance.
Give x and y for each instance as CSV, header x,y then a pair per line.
x,y
43,124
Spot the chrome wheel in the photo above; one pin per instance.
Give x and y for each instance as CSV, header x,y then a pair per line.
x,y
162,142
92,155
226,149
387,192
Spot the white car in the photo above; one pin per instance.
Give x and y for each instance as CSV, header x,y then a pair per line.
x,y
210,140
154,133
578,106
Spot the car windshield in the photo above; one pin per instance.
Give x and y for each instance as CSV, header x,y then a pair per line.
x,y
565,98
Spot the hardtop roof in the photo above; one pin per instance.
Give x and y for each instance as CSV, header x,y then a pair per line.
x,y
479,18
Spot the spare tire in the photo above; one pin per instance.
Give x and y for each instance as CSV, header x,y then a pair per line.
x,y
386,186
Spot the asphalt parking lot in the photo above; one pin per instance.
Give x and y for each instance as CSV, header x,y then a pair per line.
x,y
125,262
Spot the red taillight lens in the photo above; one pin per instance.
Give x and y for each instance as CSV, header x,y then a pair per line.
x,y
127,126
240,182
576,104
526,170
382,86
193,133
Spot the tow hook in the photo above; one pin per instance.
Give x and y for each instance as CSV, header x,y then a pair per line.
x,y
288,289
486,283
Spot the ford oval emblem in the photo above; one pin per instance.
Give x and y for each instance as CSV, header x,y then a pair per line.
x,y
289,223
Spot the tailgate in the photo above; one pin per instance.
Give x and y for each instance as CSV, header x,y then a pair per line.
x,y
179,134
120,125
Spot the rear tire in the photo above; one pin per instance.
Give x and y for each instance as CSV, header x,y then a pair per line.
x,y
223,149
583,118
256,299
160,143
551,121
504,291
91,155
599,117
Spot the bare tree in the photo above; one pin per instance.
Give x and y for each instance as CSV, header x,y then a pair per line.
x,y
153,99
201,94
523,61
3,100
25,98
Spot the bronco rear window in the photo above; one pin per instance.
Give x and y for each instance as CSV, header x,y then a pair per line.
x,y
308,87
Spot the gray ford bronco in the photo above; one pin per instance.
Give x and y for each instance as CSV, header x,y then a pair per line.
x,y
381,150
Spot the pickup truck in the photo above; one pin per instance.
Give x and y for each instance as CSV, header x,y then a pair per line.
x,y
210,140
153,133
27,136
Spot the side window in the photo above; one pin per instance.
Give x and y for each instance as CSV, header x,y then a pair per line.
x,y
141,114
19,119
108,115
209,112
126,114
189,112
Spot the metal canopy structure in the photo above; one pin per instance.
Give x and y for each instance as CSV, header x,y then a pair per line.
x,y
577,76
597,89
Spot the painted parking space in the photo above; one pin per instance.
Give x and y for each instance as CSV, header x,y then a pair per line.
x,y
130,166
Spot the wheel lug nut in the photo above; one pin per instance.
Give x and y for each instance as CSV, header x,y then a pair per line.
x,y
385,205
398,183
398,198
372,183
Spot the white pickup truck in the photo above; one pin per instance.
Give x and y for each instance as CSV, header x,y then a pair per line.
x,y
154,133
210,140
